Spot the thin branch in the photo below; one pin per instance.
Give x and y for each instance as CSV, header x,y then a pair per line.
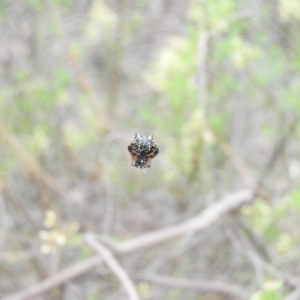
x,y
204,220
57,279
186,244
203,50
114,266
228,289
202,72
278,149
116,65
16,255
4,221
261,262
294,295
205,36
17,202
200,222
33,168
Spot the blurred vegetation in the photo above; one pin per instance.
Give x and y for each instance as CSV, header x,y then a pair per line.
x,y
216,82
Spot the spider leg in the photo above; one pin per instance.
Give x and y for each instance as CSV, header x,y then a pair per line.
x,y
133,158
149,159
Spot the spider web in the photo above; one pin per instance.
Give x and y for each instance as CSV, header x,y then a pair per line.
x,y
73,142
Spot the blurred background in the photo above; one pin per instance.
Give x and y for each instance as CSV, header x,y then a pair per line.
x,y
217,82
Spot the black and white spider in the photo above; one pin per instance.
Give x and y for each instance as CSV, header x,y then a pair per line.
x,y
143,150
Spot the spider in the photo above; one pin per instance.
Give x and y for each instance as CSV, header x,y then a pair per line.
x,y
143,150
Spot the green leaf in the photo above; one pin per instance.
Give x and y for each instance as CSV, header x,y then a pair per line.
x,y
36,4
295,198
272,290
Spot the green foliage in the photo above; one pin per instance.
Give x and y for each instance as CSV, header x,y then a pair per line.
x,y
242,52
76,137
144,290
271,221
36,4
272,290
218,122
8,162
85,251
295,198
262,216
192,144
39,141
63,3
2,11
134,23
94,294
40,4
172,75
175,294
62,78
289,10
290,96
172,72
37,92
101,23
212,14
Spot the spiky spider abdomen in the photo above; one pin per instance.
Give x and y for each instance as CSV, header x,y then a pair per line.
x,y
143,150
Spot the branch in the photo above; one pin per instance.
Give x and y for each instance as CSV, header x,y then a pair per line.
x,y
278,149
249,247
203,50
17,202
114,266
57,279
294,295
207,218
200,222
33,168
202,69
15,255
4,221
202,285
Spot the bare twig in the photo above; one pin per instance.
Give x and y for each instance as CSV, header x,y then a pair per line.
x,y
262,263
17,202
33,168
205,36
115,73
202,74
4,221
16,255
200,222
57,279
202,285
78,69
204,220
294,295
277,150
203,50
239,165
109,205
187,243
114,266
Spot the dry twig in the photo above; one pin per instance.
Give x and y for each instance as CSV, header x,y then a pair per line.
x,y
200,222
228,289
33,168
294,295
204,220
114,266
